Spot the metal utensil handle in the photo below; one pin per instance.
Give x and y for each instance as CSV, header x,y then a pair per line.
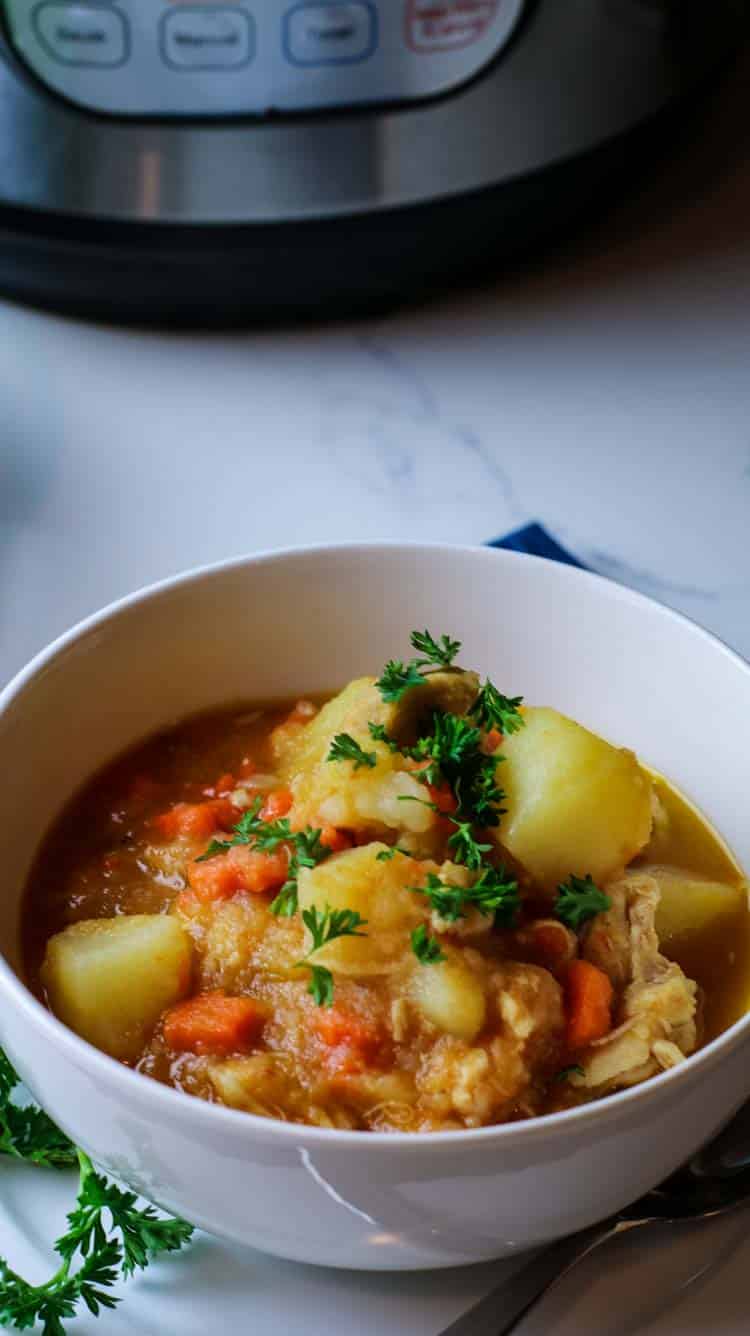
x,y
500,1310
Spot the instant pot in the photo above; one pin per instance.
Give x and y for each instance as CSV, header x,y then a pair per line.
x,y
219,159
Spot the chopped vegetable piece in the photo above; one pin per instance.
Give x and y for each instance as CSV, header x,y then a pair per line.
x,y
335,840
277,804
110,979
195,821
213,1023
588,1004
243,869
574,802
450,997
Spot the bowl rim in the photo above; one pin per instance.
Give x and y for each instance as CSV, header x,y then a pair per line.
x,y
133,1085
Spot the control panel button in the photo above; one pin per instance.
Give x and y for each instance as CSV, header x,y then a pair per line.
x,y
82,34
447,25
330,34
207,38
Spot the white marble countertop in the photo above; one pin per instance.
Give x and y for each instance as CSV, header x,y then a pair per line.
x,y
605,392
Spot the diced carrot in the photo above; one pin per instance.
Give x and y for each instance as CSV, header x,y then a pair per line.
x,y
352,1040
196,821
588,1004
335,839
240,869
492,740
213,1023
443,798
277,804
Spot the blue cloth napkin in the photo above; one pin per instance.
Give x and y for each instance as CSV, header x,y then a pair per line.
x,y
535,540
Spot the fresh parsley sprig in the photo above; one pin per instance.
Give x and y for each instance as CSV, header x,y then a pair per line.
x,y
578,900
447,901
494,893
324,926
448,749
305,848
399,677
345,748
307,851
107,1234
246,831
26,1133
466,850
493,710
426,948
440,654
379,733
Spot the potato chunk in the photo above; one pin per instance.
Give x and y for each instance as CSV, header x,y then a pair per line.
x,y
349,712
110,979
452,690
376,890
690,903
451,998
576,804
360,703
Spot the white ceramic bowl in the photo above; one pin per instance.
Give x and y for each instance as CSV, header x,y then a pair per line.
x,y
306,621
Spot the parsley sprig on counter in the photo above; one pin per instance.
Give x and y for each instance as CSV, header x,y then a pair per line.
x,y
108,1235
578,900
324,926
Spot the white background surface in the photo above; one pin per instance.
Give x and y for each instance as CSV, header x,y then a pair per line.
x,y
606,392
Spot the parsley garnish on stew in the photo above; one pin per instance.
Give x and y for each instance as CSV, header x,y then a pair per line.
x,y
324,926
579,899
345,748
305,848
441,655
493,893
379,733
426,948
493,710
108,1236
399,677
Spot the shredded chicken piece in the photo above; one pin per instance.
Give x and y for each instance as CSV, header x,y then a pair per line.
x,y
658,1012
480,1083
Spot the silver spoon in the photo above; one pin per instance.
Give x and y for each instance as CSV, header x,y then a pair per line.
x,y
715,1181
